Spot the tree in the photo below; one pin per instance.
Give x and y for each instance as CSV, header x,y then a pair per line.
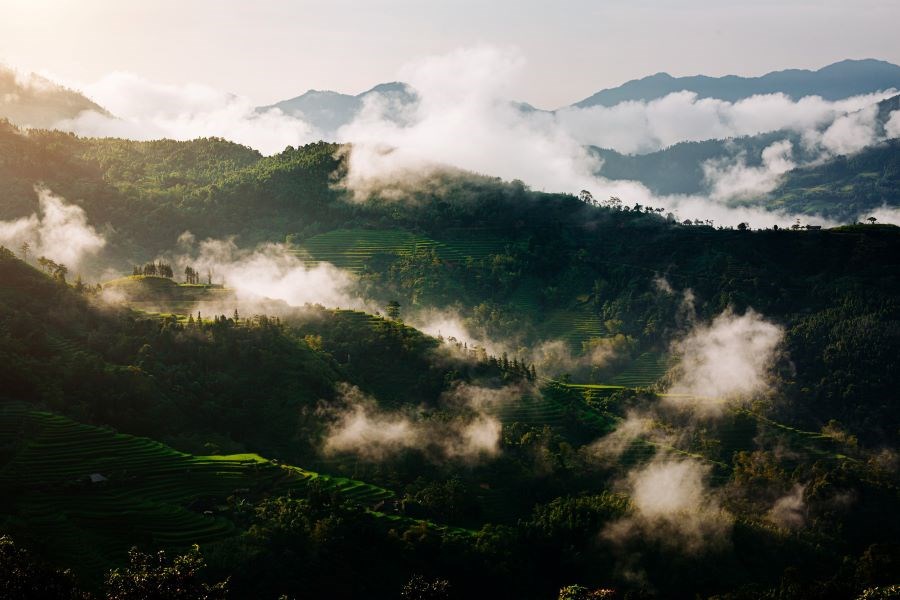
x,y
160,578
743,226
24,248
419,588
393,310
586,197
22,576
871,220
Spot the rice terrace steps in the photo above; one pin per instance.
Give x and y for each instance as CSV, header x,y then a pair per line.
x,y
91,493
352,249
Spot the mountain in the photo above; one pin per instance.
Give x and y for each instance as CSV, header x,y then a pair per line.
x,y
820,186
327,111
32,101
834,82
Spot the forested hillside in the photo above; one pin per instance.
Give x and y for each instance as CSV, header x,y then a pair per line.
x,y
581,352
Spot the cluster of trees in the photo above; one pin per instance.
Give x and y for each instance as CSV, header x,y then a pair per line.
x,y
191,276
24,576
154,269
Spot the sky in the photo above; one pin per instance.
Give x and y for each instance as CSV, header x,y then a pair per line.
x,y
270,50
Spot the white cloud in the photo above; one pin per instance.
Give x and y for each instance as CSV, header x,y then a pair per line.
x,y
727,360
59,231
641,127
892,127
270,271
464,120
673,505
850,133
789,511
360,426
733,178
145,110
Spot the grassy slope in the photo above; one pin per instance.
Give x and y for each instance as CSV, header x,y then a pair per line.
x,y
154,496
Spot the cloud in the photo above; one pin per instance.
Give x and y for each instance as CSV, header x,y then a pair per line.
x,y
884,214
892,127
640,127
463,119
612,446
727,360
673,505
734,179
59,231
471,433
451,325
145,110
847,134
269,271
789,511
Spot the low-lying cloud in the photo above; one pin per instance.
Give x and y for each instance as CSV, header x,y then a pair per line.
x,y
471,433
727,360
734,179
462,118
672,504
789,511
268,271
145,110
58,230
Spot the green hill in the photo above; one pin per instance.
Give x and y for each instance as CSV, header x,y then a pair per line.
x,y
145,493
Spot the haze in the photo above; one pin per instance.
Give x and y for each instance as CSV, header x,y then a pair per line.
x,y
271,50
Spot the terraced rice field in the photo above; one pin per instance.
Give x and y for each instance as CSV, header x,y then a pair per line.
x,y
644,371
352,249
534,411
575,326
151,495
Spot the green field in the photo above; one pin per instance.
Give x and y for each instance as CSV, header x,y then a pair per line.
x,y
152,495
162,295
352,249
644,371
575,325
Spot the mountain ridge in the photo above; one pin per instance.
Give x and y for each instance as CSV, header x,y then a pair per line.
x,y
832,82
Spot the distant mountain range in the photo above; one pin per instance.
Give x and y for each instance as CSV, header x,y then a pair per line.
x,y
36,102
327,111
32,101
834,82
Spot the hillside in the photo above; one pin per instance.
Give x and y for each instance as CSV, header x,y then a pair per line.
x,y
844,186
34,102
679,169
833,82
511,451
226,392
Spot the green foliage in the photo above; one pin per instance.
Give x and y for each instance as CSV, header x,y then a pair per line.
x,y
157,577
24,577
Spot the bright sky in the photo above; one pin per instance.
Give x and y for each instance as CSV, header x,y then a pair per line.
x,y
269,50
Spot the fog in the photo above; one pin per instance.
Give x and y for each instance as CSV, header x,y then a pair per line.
x,y
464,119
145,110
58,230
469,432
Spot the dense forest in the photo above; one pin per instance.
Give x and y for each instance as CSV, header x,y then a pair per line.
x,y
483,471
